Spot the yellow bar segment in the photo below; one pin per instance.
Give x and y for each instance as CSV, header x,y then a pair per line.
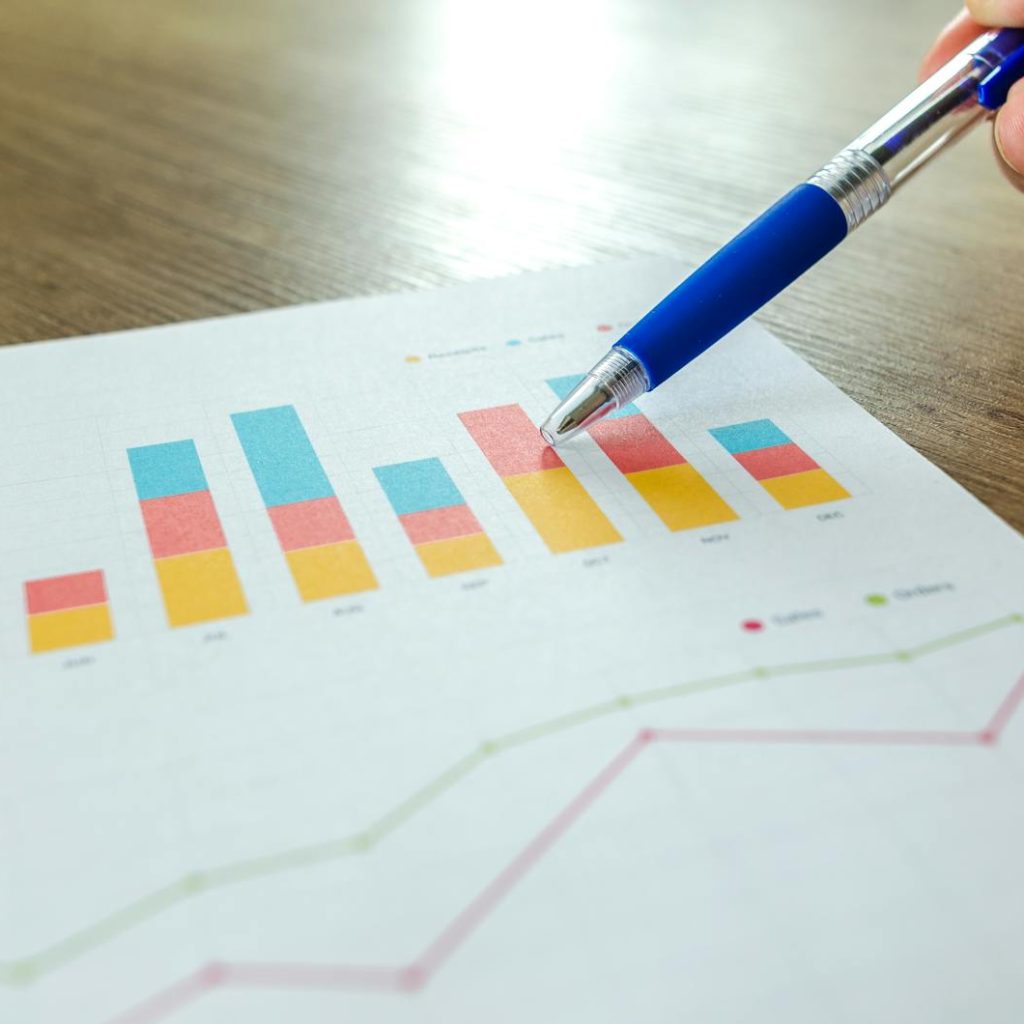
x,y
458,554
73,627
200,587
562,512
330,570
810,488
681,498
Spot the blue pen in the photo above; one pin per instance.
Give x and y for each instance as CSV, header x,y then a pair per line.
x,y
796,232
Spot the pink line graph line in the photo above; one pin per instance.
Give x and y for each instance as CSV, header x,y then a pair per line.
x,y
175,997
415,975
432,958
822,737
1001,718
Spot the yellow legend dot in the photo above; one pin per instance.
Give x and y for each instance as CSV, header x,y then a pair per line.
x,y
413,359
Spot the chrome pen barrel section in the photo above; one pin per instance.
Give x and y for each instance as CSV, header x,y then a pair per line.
x,y
934,114
622,374
856,181
863,175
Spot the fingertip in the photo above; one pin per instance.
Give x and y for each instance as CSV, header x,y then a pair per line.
x,y
997,13
1009,133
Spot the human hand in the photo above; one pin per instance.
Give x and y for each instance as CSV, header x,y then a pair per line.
x,y
977,17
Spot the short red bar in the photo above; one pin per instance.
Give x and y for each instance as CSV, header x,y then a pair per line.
x,y
509,439
58,593
182,524
440,524
634,444
779,460
308,524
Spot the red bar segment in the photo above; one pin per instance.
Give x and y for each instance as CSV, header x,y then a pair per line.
x,y
182,524
58,593
634,444
308,524
509,439
779,460
440,524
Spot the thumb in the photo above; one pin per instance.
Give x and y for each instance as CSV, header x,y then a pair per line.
x,y
1009,134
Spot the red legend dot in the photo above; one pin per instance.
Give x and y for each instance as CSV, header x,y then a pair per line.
x,y
752,625
604,327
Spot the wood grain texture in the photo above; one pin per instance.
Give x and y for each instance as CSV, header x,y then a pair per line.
x,y
164,160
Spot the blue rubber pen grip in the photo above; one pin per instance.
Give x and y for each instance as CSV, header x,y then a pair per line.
x,y
738,280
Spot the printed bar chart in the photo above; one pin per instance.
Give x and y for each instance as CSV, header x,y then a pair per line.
x,y
446,535
555,502
194,567
67,611
318,542
783,469
675,491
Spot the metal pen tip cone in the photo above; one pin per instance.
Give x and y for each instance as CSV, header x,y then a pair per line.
x,y
588,402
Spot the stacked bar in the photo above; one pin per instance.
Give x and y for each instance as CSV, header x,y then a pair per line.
x,y
193,564
67,611
680,497
319,545
554,501
447,536
785,471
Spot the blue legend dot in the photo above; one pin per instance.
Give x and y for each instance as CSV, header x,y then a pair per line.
x,y
513,342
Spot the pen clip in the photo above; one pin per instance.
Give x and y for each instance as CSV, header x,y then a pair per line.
x,y
1009,67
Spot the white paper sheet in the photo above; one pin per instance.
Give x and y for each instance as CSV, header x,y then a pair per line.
x,y
762,769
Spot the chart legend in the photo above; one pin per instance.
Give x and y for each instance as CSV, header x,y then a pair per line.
x,y
194,567
783,469
318,542
67,611
680,497
555,502
446,535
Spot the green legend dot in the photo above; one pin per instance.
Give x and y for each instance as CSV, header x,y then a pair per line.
x,y
877,600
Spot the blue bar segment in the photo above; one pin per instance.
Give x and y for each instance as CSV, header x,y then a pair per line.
x,y
563,385
280,455
418,486
749,437
165,470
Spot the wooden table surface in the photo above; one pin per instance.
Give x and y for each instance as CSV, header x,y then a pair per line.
x,y
165,160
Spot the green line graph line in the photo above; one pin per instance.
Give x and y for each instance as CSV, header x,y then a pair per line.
x,y
51,958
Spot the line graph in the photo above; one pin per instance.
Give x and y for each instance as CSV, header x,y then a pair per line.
x,y
32,967
415,975
35,966
412,976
